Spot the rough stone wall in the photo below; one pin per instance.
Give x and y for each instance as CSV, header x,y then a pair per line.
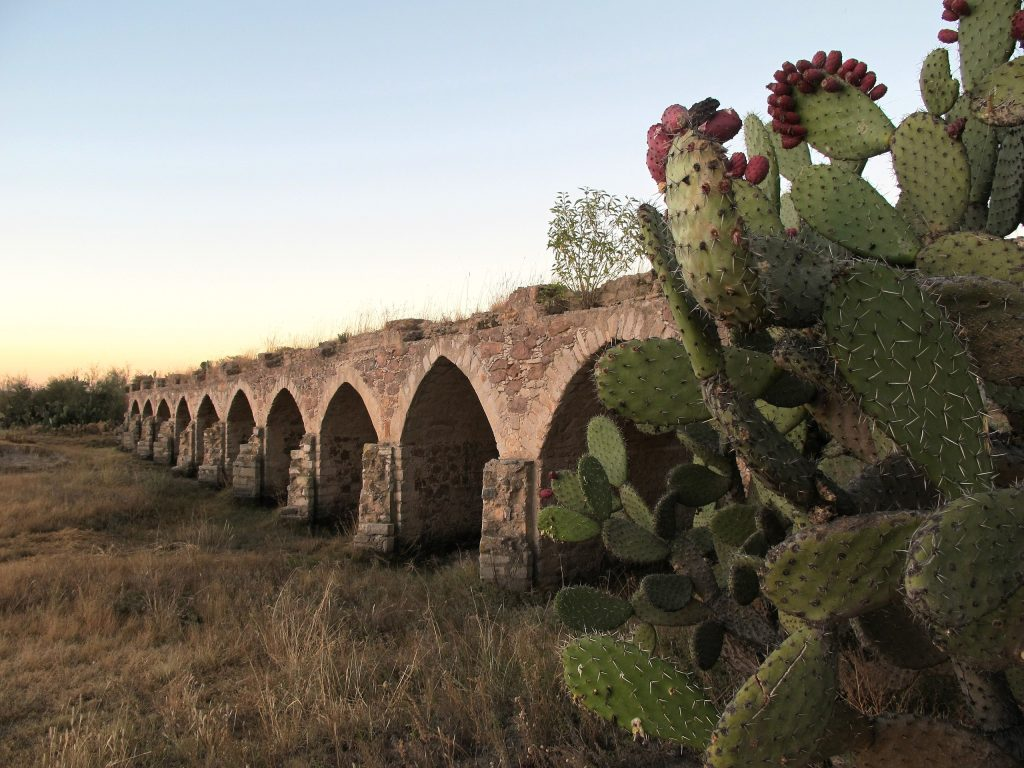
x,y
144,446
302,481
506,557
211,471
378,499
341,477
163,444
185,463
247,469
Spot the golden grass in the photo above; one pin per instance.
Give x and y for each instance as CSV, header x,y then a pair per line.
x,y
145,621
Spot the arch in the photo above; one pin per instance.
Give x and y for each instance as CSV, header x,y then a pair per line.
x,y
285,429
135,408
238,427
147,410
206,417
466,361
182,416
163,411
347,375
346,427
446,439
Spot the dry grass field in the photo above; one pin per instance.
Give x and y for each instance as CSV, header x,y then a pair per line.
x,y
145,621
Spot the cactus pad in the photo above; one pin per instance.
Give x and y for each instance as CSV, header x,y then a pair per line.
x,y
758,138
973,253
939,89
922,390
636,508
624,684
585,609
760,216
566,525
569,493
650,382
706,644
795,279
781,711
628,541
984,37
999,99
840,569
847,209
992,642
1007,184
966,560
908,741
744,584
791,161
933,172
595,485
605,443
667,591
846,124
734,524
698,485
899,637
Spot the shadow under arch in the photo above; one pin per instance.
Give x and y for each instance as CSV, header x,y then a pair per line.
x,y
345,428
285,429
147,410
206,417
238,427
445,442
163,411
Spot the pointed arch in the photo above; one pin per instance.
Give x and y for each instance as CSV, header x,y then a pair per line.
x,y
147,410
135,410
163,411
206,417
238,427
347,375
446,440
182,416
346,427
285,428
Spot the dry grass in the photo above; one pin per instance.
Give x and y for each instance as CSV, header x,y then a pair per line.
x,y
147,622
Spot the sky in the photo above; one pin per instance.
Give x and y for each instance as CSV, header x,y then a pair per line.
x,y
185,181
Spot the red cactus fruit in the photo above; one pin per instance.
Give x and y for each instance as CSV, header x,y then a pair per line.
x,y
814,75
675,119
737,165
656,163
788,66
804,87
723,126
757,169
860,70
789,142
780,89
1017,26
848,65
832,84
793,78
868,82
948,15
877,92
780,76
785,102
546,493
948,36
792,231
960,7
803,65
956,128
833,61
658,140
818,60
553,475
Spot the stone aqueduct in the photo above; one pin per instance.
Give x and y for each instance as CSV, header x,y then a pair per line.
x,y
423,434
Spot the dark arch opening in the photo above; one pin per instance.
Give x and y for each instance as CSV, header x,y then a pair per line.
x,y
649,458
206,417
163,411
284,432
148,410
135,408
445,443
182,417
238,429
346,428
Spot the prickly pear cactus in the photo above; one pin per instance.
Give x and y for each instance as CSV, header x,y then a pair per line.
x,y
847,378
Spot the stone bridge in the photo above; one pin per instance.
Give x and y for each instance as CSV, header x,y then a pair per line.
x,y
420,435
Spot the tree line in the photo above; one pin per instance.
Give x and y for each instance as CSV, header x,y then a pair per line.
x,y
64,400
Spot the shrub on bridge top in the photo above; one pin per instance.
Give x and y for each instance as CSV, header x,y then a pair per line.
x,y
848,380
595,238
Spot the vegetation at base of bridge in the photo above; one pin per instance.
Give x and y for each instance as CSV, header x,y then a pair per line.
x,y
64,401
848,380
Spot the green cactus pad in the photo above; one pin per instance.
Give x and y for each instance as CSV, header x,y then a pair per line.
x,y
640,693
898,352
781,711
981,144
760,216
758,138
707,231
794,278
595,485
899,637
706,644
856,167
785,420
566,525
990,315
605,443
791,161
734,524
569,492
845,125
966,560
636,508
840,569
645,636
744,584
939,89
628,541
585,609
650,382
933,172
692,613
751,371
670,513
667,591
909,741
787,211
999,99
993,642
985,40
697,485
756,544
973,253
847,209
789,392
1007,184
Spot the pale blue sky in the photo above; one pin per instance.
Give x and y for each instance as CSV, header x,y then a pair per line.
x,y
183,181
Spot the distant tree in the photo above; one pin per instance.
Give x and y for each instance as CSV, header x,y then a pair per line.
x,y
69,399
16,403
595,238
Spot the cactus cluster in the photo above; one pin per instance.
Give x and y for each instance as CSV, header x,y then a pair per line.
x,y
849,382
